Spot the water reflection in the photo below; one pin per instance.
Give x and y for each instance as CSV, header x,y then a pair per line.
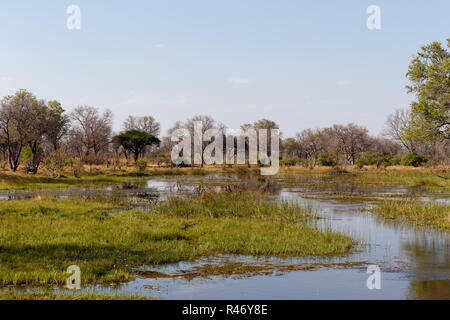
x,y
429,290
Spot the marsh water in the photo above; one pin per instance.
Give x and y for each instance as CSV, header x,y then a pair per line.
x,y
414,261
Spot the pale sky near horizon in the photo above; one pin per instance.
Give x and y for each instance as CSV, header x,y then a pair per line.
x,y
300,63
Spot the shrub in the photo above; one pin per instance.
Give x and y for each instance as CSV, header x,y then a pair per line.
x,y
76,166
25,154
290,162
413,159
388,160
367,159
141,165
370,159
56,162
327,160
395,161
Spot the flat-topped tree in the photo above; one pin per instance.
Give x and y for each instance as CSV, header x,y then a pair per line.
x,y
135,141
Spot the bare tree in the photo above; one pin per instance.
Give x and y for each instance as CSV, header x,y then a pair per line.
x,y
22,123
146,123
74,143
383,146
207,123
93,129
396,127
166,142
352,140
310,144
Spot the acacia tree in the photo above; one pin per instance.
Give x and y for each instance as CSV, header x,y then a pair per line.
x,y
147,124
135,141
429,74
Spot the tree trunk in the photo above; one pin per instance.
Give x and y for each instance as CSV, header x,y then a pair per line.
x,y
35,158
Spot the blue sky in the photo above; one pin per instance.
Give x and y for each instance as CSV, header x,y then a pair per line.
x,y
300,63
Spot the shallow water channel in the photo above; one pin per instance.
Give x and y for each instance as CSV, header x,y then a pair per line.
x,y
414,261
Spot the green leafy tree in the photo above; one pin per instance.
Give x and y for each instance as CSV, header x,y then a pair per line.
x,y
290,147
429,74
57,124
135,141
265,124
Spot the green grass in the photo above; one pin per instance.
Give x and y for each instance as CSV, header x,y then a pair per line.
x,y
67,296
435,180
40,238
436,215
432,181
22,182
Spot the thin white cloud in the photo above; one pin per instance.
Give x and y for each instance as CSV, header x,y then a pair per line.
x,y
238,80
160,45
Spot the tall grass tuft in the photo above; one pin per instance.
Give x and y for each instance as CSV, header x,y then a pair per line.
x,y
433,214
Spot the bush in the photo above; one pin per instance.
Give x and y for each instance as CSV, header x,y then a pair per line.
x,y
327,160
56,162
141,165
413,159
395,161
370,159
290,162
384,160
367,159
25,154
76,166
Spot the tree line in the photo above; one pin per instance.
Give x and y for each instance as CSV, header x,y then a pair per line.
x,y
33,131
